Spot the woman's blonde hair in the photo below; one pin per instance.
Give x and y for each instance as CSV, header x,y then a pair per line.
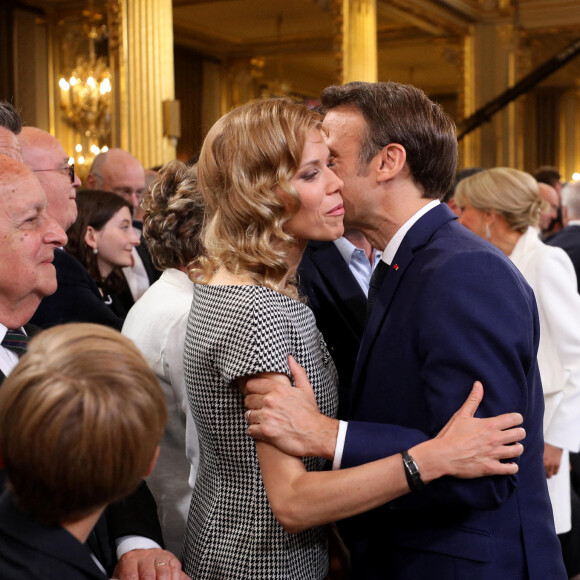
x,y
81,417
247,160
511,193
173,216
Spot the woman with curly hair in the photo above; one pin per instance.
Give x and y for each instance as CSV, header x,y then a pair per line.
x,y
257,513
157,324
102,240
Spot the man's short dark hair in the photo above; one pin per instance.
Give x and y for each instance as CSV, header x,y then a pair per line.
x,y
547,174
403,114
10,118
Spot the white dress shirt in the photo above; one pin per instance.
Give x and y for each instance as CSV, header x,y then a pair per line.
x,y
387,257
8,358
358,263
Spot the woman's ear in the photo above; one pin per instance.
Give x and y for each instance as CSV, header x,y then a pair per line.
x,y
391,160
90,237
490,216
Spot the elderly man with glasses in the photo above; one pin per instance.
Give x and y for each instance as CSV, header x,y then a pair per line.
x,y
47,159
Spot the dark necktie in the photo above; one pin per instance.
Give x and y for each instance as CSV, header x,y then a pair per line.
x,y
16,341
374,285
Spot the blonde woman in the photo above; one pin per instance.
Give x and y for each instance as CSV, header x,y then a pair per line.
x,y
257,513
503,205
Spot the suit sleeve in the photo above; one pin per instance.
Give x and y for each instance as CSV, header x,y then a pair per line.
x,y
136,515
475,318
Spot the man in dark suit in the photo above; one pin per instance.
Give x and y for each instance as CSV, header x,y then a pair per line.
x,y
568,238
334,277
450,309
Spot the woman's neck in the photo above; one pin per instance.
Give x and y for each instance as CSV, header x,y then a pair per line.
x,y
224,277
104,269
503,237
294,257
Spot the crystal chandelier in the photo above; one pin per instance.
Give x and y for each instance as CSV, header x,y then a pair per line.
x,y
86,93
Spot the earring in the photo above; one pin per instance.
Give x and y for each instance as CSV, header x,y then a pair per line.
x,y
487,232
95,251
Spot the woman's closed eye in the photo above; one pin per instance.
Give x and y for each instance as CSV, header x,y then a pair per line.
x,y
310,175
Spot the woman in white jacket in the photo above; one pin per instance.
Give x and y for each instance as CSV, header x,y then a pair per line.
x,y
503,205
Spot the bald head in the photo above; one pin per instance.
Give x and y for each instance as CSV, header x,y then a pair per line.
x,y
45,155
120,172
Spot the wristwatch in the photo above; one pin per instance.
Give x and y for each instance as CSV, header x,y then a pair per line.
x,y
412,472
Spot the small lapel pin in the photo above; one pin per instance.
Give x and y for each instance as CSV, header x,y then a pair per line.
x,y
395,267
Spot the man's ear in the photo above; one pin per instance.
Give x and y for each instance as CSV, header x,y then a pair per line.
x,y
91,181
391,160
90,237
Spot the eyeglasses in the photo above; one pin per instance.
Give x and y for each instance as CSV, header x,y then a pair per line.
x,y
70,168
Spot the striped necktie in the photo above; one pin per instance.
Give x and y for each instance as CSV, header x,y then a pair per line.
x,y
16,341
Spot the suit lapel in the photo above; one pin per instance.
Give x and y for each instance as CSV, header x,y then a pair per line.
x,y
337,274
414,240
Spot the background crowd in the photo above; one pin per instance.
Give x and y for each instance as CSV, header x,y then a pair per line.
x,y
235,460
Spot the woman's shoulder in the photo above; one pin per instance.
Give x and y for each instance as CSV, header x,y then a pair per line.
x,y
242,306
241,294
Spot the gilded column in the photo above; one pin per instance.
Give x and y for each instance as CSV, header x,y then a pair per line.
x,y
357,46
147,79
569,146
470,153
491,66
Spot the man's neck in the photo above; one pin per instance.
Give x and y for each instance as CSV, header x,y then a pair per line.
x,y
388,222
17,315
81,529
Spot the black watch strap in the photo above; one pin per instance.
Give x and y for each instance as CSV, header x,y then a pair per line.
x,y
412,472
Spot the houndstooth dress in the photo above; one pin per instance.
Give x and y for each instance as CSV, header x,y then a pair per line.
x,y
234,331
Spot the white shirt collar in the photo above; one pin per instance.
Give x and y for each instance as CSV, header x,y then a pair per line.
x,y
396,240
8,358
3,331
